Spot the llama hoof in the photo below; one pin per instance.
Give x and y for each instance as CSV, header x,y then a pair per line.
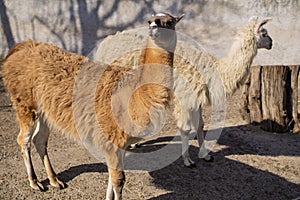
x,y
208,158
37,185
58,183
191,166
189,163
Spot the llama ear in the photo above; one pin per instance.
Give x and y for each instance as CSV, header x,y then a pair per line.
x,y
253,19
178,18
263,23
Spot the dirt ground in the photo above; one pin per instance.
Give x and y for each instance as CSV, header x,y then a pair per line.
x,y
249,164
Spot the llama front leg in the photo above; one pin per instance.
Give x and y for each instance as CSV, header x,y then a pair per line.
x,y
40,140
188,162
24,141
116,180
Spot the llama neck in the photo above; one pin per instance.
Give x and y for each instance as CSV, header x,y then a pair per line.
x,y
156,78
235,66
157,63
154,54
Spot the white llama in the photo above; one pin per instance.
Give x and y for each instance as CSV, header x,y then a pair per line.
x,y
202,72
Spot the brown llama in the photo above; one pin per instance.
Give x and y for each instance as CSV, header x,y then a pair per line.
x,y
41,78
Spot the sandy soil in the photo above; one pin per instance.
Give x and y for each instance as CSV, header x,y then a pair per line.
x,y
249,164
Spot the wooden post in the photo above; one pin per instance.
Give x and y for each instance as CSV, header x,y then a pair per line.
x,y
273,93
294,90
273,98
254,96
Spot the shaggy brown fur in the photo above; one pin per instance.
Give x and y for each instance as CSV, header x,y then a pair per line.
x,y
39,78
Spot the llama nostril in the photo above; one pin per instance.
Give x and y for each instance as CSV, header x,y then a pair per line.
x,y
270,46
153,25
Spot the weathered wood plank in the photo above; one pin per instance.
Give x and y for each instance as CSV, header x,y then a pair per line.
x,y
254,98
273,103
273,98
294,89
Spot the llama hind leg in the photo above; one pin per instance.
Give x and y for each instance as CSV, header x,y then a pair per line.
x,y
188,162
116,180
115,184
203,151
24,141
40,141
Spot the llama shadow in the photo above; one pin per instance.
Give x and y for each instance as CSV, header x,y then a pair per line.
x,y
226,178
223,179
73,172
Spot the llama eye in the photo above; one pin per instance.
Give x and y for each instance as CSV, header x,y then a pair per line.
x,y
169,23
157,22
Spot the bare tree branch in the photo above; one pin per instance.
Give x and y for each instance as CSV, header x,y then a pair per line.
x,y
6,25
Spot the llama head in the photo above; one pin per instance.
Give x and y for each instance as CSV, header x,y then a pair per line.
x,y
263,40
162,28
164,20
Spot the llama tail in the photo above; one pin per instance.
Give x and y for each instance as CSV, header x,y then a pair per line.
x,y
204,96
20,46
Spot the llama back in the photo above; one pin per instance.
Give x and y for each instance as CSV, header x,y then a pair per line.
x,y
55,81
188,68
39,78
21,46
